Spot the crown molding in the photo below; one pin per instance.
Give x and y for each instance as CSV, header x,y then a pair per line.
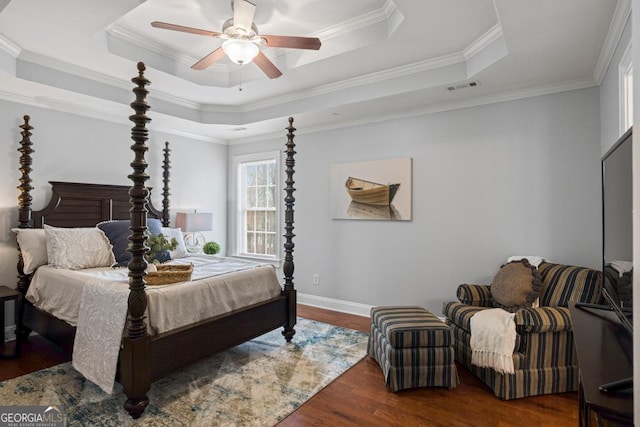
x,y
191,135
380,76
363,21
432,109
512,95
371,18
137,40
88,109
616,27
18,98
72,69
116,31
485,40
9,46
105,79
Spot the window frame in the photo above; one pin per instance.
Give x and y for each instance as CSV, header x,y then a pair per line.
x,y
239,192
625,89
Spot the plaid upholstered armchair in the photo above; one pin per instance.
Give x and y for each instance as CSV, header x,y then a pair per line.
x,y
544,357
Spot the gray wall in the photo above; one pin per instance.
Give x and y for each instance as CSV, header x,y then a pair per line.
x,y
513,178
80,149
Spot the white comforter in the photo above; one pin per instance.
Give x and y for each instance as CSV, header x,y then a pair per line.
x,y
228,284
95,301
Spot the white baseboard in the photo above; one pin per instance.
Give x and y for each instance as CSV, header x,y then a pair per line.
x,y
10,333
335,304
339,305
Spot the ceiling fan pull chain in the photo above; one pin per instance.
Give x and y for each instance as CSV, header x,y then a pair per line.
x,y
240,85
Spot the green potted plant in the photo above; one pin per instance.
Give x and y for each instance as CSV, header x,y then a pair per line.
x,y
211,248
159,248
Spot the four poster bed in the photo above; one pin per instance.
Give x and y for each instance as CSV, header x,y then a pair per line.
x,y
145,356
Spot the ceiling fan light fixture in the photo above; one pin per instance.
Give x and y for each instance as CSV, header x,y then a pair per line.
x,y
240,51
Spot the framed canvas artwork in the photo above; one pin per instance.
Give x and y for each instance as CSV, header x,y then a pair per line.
x,y
374,190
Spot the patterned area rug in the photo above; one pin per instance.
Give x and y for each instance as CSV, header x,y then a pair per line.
x,y
257,383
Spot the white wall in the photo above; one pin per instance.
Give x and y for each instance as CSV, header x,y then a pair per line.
x,y
80,149
520,177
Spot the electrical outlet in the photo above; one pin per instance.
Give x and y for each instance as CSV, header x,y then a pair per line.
x,y
316,279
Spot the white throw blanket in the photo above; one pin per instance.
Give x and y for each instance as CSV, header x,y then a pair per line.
x,y
103,312
533,260
493,339
622,267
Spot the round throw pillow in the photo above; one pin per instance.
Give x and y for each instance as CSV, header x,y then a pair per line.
x,y
516,285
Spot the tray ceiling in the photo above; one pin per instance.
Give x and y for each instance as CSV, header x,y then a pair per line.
x,y
379,59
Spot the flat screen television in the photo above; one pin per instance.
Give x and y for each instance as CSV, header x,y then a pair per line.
x,y
617,242
617,221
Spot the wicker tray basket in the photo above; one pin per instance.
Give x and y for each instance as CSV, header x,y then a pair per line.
x,y
169,273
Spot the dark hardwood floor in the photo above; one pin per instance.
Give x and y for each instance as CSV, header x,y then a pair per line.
x,y
359,396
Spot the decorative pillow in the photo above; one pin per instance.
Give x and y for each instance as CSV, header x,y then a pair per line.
x,y
176,233
33,247
118,234
516,285
78,248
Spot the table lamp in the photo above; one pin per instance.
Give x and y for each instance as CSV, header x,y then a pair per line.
x,y
193,224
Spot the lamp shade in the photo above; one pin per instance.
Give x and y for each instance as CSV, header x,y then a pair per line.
x,y
240,51
191,222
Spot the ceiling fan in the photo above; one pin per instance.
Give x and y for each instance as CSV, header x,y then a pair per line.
x,y
242,40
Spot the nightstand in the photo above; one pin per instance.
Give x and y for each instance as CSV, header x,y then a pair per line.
x,y
8,294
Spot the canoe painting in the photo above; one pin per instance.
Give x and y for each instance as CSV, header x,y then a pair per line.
x,y
370,193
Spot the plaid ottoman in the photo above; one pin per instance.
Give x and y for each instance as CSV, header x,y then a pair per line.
x,y
413,347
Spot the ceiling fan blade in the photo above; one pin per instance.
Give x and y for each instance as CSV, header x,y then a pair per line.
x,y
292,42
267,66
209,59
243,12
181,28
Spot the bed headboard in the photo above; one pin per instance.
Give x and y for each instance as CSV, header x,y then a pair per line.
x,y
75,204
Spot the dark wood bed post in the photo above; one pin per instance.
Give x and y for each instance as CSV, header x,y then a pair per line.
x,y
24,199
287,267
166,165
134,358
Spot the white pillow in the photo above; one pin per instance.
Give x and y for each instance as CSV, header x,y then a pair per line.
x,y
78,248
33,247
176,233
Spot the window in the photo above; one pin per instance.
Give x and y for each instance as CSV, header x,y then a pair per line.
x,y
625,76
257,218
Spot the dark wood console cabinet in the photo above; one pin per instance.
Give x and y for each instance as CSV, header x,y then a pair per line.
x,y
603,349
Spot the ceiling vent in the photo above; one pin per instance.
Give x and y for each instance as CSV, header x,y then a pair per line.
x,y
474,83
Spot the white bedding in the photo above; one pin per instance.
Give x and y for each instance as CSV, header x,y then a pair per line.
x,y
218,285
